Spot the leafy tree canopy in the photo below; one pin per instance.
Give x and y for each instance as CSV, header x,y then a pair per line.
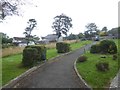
x,y
31,25
104,29
62,24
12,7
91,30
5,39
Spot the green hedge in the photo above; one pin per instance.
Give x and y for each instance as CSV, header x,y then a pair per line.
x,y
41,50
62,47
33,54
95,48
29,56
105,46
108,46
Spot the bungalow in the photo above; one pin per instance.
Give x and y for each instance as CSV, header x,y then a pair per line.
x,y
50,38
21,41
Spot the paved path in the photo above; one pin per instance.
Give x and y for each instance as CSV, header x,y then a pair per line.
x,y
57,74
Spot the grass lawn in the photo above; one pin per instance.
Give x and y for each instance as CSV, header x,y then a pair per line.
x,y
92,76
79,44
51,53
11,65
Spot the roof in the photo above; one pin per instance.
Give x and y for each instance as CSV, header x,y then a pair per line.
x,y
19,38
51,36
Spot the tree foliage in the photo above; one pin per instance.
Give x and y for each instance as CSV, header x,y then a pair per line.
x,y
91,30
72,37
80,35
8,8
104,29
35,39
31,25
12,7
104,32
114,31
62,24
5,38
75,36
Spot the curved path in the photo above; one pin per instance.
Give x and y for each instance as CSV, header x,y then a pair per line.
x,y
57,74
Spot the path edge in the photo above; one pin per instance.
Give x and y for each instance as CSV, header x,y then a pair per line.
x,y
80,77
13,82
112,81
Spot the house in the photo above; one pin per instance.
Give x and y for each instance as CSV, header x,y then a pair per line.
x,y
50,38
18,39
42,42
21,41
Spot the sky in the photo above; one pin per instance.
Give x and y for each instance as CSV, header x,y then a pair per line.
x,y
101,12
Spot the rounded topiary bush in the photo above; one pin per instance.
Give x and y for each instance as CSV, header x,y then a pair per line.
x,y
108,46
114,57
102,66
82,59
95,48
41,54
33,54
62,47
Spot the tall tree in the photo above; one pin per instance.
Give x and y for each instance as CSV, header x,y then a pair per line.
x,y
91,30
62,24
104,29
31,25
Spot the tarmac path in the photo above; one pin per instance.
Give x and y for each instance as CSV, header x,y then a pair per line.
x,y
56,74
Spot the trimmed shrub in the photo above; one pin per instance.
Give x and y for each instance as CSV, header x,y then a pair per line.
x,y
107,46
29,57
41,55
102,66
62,47
82,59
95,48
114,57
33,54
